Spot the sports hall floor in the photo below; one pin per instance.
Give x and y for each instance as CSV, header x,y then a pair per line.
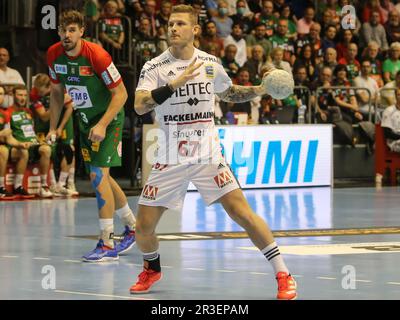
x,y
203,254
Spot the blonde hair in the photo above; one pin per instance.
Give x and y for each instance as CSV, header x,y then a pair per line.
x,y
41,80
183,8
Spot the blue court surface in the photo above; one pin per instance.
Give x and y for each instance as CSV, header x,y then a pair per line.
x,y
338,243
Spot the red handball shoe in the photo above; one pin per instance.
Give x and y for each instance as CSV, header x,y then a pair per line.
x,y
286,286
146,279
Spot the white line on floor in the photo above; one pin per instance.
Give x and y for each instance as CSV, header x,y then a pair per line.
x,y
9,256
194,269
40,258
364,281
326,278
395,283
297,276
261,273
227,271
100,295
73,261
168,267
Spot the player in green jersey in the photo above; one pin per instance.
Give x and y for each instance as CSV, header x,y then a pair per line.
x,y
87,73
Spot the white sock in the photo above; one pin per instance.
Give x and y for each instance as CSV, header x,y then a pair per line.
x,y
2,185
62,179
107,232
271,252
53,180
18,180
71,176
43,180
126,216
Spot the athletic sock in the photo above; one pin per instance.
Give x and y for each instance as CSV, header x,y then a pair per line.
x,y
53,180
62,180
126,216
43,180
18,181
153,259
271,252
2,185
107,232
71,176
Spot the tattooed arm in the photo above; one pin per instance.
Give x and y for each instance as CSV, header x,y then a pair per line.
x,y
144,102
238,94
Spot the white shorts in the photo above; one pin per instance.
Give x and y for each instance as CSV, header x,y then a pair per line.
x,y
167,184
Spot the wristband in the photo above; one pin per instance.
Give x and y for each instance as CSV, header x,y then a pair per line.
x,y
160,95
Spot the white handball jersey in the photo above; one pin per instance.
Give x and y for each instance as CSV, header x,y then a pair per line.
x,y
186,119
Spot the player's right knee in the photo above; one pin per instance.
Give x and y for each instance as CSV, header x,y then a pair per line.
x,y
144,228
4,152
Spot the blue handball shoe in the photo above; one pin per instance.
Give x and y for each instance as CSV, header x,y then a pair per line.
x,y
101,253
127,242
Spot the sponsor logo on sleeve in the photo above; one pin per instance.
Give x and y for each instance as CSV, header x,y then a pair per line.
x,y
52,74
113,71
209,71
106,78
85,71
60,68
150,192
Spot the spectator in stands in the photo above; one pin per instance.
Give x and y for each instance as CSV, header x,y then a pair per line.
x,y
280,39
243,16
255,63
92,11
8,76
329,38
22,127
149,12
365,80
345,98
242,79
326,20
391,124
277,60
63,151
266,17
329,60
212,7
374,5
304,24
373,30
392,64
112,29
371,53
222,20
134,10
286,13
146,47
210,37
307,59
392,27
333,9
19,154
200,8
236,38
351,63
254,6
327,108
345,38
388,97
259,38
314,39
301,79
228,61
163,16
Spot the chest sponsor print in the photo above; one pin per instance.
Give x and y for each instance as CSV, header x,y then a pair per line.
x,y
80,96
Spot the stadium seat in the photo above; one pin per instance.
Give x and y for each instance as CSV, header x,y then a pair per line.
x,y
384,158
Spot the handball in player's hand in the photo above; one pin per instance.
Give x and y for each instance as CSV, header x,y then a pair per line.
x,y
278,84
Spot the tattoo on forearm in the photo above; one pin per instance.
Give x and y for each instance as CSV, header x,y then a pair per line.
x,y
238,94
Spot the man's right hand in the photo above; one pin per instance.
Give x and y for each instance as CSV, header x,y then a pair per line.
x,y
25,145
187,75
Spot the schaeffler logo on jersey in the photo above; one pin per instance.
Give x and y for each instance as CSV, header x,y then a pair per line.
x,y
223,179
80,96
158,64
150,192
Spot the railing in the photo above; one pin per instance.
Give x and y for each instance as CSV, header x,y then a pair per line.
x,y
17,13
321,89
121,57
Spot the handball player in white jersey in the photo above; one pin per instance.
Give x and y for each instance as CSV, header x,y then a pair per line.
x,y
180,85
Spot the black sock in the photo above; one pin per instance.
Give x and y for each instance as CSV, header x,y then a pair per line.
x,y
154,264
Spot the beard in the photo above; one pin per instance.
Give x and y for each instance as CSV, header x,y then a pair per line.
x,y
69,46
